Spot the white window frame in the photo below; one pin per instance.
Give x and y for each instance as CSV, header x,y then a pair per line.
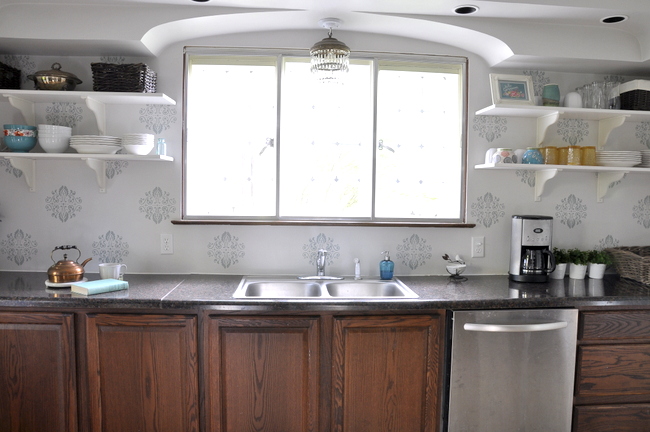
x,y
366,221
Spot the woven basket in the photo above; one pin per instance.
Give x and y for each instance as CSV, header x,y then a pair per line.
x,y
632,262
135,78
636,100
9,77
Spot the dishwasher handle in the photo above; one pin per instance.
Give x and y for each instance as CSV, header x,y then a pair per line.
x,y
515,328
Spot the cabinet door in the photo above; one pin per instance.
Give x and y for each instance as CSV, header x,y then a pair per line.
x,y
614,370
619,325
262,374
387,373
142,373
609,418
37,372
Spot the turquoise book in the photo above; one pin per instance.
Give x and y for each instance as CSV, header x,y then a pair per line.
x,y
98,286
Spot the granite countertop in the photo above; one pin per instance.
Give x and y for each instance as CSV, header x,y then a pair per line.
x,y
188,291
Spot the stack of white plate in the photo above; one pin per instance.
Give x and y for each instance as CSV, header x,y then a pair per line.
x,y
137,143
95,144
620,158
137,139
645,159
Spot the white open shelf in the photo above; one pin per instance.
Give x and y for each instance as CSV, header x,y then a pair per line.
x,y
26,162
24,101
607,119
605,175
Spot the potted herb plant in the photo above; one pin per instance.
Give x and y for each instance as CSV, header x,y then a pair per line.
x,y
578,261
598,262
561,261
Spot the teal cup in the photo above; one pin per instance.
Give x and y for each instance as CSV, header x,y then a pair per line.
x,y
551,95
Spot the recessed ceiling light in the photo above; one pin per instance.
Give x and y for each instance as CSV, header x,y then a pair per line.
x,y
466,9
200,1
613,19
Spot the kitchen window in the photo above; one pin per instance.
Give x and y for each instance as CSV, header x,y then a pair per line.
x,y
265,142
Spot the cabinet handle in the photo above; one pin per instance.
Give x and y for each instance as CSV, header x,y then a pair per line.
x,y
514,328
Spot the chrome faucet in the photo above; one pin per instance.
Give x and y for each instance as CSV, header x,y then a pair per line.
x,y
320,262
320,269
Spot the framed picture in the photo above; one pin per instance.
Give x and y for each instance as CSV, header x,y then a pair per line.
x,y
512,89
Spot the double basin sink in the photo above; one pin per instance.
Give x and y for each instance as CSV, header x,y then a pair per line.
x,y
271,287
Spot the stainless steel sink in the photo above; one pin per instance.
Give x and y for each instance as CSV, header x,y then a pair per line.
x,y
281,289
274,287
369,288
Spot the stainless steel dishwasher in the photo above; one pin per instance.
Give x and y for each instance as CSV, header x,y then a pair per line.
x,y
512,370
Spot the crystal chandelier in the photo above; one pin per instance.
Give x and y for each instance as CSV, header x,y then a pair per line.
x,y
329,57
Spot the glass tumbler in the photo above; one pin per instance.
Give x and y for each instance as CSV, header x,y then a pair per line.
x,y
562,155
588,156
550,155
574,154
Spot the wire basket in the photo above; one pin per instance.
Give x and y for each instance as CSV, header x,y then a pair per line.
x,y
135,78
632,262
9,77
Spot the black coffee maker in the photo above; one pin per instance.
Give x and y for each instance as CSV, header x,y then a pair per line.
x,y
531,259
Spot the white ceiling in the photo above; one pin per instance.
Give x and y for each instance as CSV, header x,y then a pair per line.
x,y
549,34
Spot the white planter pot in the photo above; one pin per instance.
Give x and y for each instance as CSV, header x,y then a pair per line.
x,y
577,271
597,271
559,272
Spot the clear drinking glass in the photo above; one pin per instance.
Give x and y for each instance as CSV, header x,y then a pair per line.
x,y
598,95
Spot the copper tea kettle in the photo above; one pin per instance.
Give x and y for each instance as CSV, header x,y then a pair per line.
x,y
66,270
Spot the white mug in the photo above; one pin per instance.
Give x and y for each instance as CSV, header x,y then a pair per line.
x,y
112,270
519,155
489,154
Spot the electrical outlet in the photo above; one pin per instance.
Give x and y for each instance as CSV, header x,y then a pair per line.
x,y
166,244
478,247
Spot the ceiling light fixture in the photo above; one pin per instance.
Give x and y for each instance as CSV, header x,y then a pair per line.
x,y
613,19
466,9
330,57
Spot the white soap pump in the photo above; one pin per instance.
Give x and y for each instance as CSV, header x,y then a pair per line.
x,y
357,269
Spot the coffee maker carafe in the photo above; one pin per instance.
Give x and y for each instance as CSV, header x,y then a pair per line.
x,y
531,259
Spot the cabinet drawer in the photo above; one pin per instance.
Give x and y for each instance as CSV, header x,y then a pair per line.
x,y
613,370
615,325
607,418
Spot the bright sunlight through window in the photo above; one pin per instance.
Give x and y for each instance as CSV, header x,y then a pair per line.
x,y
267,142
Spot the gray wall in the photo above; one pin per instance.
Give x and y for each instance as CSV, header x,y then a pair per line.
x,y
124,224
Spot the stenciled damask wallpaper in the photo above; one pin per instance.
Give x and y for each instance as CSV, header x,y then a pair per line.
x,y
124,224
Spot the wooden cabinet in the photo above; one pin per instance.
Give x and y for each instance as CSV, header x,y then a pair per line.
x,y
37,372
387,373
613,373
141,373
262,374
323,373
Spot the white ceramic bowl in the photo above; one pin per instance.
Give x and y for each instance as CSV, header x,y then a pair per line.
x,y
54,134
456,269
54,144
95,149
53,129
141,150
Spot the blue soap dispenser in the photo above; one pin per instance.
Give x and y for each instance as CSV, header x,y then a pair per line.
x,y
386,267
